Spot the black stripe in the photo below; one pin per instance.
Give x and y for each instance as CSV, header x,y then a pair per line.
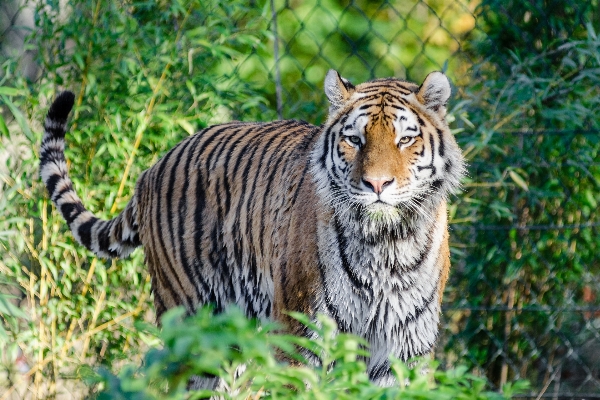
x,y
61,106
250,292
51,184
57,132
85,232
441,140
71,211
323,158
215,258
160,307
68,188
447,166
132,241
48,156
427,302
421,122
385,85
150,248
342,246
46,139
119,221
332,145
333,311
432,144
398,268
382,369
104,236
333,170
258,169
342,121
302,148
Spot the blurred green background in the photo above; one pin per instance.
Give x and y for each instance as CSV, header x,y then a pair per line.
x,y
522,301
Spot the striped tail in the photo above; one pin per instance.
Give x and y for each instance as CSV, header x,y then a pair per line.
x,y
115,238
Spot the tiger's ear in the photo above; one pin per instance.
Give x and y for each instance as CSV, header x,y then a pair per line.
x,y
337,89
435,92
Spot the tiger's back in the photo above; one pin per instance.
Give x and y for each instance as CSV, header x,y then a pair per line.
x,y
210,233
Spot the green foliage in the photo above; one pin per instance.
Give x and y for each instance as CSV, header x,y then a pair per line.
x,y
530,28
364,40
532,142
218,345
145,75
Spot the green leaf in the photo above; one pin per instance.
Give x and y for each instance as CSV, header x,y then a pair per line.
x,y
3,127
518,180
189,128
19,118
9,91
7,308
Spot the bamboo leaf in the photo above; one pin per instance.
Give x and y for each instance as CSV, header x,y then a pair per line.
x,y
518,180
19,118
189,128
3,127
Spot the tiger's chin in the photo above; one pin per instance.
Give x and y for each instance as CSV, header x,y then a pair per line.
x,y
381,211
381,214
380,219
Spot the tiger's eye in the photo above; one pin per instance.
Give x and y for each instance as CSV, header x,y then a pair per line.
x,y
405,139
354,140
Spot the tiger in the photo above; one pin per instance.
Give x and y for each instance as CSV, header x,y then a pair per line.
x,y
348,219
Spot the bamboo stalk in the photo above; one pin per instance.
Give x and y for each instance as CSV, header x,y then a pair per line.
x,y
86,285
122,317
147,115
86,341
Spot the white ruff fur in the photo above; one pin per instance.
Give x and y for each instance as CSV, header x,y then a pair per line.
x,y
396,308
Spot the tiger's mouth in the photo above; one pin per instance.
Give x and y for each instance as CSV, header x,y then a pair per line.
x,y
381,210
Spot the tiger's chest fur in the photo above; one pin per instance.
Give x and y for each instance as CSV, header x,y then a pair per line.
x,y
386,290
348,219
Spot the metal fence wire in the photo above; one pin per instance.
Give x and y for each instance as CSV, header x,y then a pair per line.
x,y
523,297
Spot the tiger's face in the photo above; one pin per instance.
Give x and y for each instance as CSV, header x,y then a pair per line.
x,y
386,149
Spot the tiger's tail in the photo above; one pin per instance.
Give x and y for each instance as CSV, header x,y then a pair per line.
x,y
114,238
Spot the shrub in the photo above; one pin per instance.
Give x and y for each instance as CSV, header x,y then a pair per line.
x,y
145,75
218,345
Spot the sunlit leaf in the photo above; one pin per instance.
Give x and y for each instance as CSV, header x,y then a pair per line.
x,y
518,180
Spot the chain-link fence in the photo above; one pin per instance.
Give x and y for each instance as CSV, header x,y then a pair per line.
x,y
523,297
522,301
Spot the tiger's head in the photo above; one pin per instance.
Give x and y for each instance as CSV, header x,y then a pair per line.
x,y
386,152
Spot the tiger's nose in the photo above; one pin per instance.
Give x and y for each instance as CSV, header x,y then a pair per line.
x,y
377,185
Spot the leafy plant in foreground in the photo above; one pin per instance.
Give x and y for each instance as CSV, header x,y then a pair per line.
x,y
222,345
